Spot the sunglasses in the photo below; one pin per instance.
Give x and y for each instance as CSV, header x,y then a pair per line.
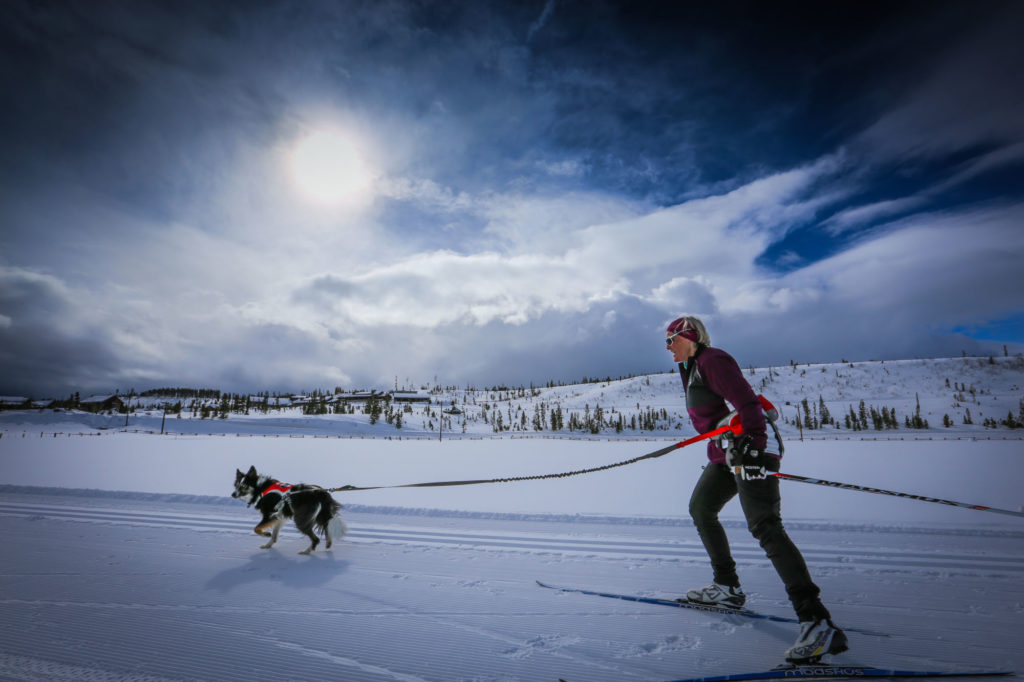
x,y
669,339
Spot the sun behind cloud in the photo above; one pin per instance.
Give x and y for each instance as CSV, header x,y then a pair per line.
x,y
327,168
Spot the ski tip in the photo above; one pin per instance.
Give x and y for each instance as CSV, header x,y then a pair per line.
x,y
831,671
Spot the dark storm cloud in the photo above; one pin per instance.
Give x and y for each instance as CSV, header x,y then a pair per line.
x,y
45,339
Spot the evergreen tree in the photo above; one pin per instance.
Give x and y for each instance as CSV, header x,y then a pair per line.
x,y
373,408
826,416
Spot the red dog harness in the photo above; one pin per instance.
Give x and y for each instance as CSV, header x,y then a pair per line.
x,y
278,487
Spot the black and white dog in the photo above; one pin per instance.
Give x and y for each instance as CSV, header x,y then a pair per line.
x,y
310,506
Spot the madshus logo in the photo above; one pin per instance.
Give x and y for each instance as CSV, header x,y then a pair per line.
x,y
825,672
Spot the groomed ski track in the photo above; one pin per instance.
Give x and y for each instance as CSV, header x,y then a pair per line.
x,y
148,587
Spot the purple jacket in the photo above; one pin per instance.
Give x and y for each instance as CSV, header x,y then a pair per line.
x,y
710,378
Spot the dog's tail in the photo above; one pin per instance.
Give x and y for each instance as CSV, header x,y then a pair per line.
x,y
336,528
327,520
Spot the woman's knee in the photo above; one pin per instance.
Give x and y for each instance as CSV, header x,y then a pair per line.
x,y
701,514
766,528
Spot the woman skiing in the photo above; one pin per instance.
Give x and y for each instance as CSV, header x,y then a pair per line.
x,y
711,378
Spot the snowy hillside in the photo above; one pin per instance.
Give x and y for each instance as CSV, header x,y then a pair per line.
x,y
955,396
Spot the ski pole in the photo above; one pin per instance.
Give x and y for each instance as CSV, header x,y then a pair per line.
x,y
879,491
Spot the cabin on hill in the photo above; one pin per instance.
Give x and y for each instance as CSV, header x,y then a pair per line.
x,y
102,403
357,396
393,396
13,402
409,397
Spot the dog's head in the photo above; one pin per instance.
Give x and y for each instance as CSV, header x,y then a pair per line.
x,y
245,484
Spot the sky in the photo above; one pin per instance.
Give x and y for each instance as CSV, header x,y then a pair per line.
x,y
283,196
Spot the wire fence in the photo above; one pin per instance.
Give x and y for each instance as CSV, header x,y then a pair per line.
x,y
8,434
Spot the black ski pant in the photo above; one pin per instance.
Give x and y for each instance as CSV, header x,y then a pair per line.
x,y
761,504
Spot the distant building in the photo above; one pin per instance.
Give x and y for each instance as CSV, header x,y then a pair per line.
x,y
409,397
102,403
393,396
8,402
357,396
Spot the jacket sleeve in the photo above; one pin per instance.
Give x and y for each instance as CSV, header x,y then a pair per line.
x,y
725,378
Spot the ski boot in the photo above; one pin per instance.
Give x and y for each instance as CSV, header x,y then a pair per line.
x,y
718,595
817,638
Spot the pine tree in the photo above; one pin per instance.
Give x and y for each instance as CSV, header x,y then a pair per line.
x,y
826,416
373,408
598,421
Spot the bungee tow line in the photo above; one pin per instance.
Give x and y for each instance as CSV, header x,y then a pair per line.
x,y
909,496
733,427
512,479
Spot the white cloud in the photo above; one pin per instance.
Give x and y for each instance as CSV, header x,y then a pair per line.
x,y
898,293
573,264
692,295
851,218
441,288
426,193
550,225
951,266
570,168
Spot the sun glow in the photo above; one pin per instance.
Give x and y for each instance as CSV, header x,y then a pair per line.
x,y
327,168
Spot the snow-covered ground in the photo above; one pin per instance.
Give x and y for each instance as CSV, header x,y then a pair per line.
x,y
125,557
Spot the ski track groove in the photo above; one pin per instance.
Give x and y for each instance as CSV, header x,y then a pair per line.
x,y
911,560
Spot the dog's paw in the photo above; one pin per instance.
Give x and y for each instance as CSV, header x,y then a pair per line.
x,y
267,546
306,551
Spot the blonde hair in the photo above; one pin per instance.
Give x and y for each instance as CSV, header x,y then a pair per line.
x,y
689,322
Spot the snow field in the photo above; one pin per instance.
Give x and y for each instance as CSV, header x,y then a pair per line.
x,y
127,559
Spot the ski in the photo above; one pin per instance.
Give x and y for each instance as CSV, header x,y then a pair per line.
x,y
697,606
825,672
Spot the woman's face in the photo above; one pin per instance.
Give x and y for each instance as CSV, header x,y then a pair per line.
x,y
682,348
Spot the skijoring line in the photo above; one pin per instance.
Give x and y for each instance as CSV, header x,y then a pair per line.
x,y
893,493
734,428
650,455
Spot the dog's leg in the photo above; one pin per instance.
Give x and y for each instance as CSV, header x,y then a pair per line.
x,y
307,530
306,523
276,525
314,540
261,529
